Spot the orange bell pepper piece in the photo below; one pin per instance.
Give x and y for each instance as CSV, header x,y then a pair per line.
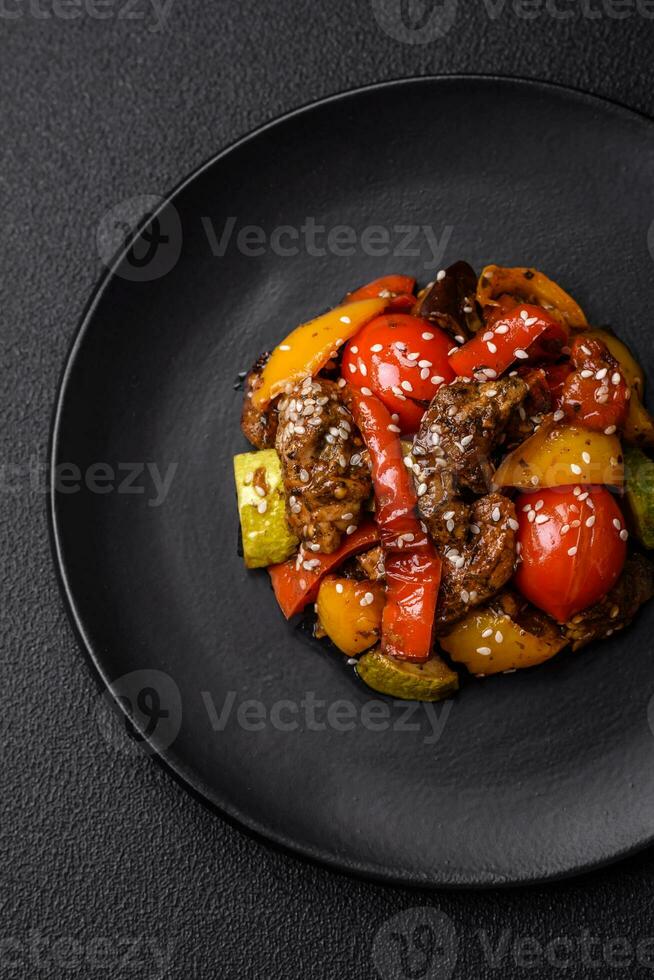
x,y
308,348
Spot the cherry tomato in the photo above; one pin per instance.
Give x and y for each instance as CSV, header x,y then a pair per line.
x,y
403,360
572,543
398,289
522,333
596,395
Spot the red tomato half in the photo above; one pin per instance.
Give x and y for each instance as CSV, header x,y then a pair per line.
x,y
572,548
596,395
403,360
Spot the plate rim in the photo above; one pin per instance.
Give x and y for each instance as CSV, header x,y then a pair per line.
x,y
371,871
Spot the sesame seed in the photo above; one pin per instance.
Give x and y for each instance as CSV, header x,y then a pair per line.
x,y
427,336
350,529
616,378
467,440
524,314
345,319
406,385
354,349
363,369
352,368
475,529
262,506
347,517
465,597
601,374
284,347
422,489
539,505
484,651
624,535
610,430
486,634
521,354
586,374
304,476
376,348
572,551
502,329
591,520
413,356
424,374
492,348
437,380
535,480
576,469
366,391
441,275
615,612
451,351
542,519
499,637
394,428
565,529
450,526
531,516
558,415
424,364
617,524
355,459
260,491
496,515
529,322
586,457
513,524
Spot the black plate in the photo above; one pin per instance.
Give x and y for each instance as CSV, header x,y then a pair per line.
x,y
535,775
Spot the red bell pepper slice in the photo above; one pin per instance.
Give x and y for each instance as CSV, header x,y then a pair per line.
x,y
399,290
413,568
295,586
509,339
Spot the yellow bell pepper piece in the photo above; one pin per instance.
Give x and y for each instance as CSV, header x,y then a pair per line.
x,y
530,286
348,615
558,455
308,348
488,641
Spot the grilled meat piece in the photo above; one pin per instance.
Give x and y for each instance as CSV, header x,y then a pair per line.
x,y
482,560
325,473
259,428
371,564
449,302
452,453
528,416
527,617
458,434
616,610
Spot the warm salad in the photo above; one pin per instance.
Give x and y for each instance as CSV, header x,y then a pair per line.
x,y
450,478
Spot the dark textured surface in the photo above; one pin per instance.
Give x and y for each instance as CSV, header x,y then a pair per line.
x,y
96,844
